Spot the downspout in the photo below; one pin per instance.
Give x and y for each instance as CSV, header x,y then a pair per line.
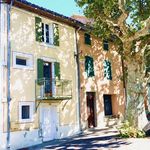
x,y
8,73
78,75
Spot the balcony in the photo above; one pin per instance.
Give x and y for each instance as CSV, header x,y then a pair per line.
x,y
51,89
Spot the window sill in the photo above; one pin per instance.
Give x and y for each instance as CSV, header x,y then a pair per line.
x,y
23,67
21,121
48,45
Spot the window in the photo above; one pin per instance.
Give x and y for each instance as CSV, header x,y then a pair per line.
x,y
105,45
47,33
107,70
89,66
22,60
25,111
87,39
107,105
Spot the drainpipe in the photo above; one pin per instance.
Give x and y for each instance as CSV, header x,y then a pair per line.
x,y
8,73
78,75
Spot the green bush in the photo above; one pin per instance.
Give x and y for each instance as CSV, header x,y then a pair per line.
x,y
128,131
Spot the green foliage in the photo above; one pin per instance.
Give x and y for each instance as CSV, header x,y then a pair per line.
x,y
128,131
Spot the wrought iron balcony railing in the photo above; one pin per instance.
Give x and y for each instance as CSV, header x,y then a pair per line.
x,y
51,89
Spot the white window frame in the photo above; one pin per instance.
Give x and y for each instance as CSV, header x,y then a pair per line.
x,y
27,57
31,107
51,34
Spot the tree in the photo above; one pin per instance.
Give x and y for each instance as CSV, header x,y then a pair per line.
x,y
127,23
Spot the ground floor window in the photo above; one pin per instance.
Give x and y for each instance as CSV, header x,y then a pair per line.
x,y
26,111
107,105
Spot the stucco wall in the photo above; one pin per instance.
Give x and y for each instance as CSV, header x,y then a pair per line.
x,y
23,80
98,83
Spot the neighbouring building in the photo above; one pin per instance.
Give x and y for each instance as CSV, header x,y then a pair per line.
x,y
43,75
102,92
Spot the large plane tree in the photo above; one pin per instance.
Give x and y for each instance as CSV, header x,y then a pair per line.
x,y
127,23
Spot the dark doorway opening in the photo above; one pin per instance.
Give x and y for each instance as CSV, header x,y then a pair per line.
x,y
90,96
48,78
107,105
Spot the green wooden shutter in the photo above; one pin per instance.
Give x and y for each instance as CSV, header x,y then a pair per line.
x,y
57,70
56,34
40,72
87,39
107,70
38,29
89,66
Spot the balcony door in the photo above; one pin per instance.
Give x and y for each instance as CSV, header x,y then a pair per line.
x,y
47,73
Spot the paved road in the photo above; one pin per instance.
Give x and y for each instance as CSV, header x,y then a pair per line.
x,y
97,139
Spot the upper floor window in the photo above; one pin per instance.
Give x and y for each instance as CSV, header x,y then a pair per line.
x,y
89,66
48,33
107,70
22,60
87,39
105,45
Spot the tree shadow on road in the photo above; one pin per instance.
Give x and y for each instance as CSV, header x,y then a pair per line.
x,y
93,143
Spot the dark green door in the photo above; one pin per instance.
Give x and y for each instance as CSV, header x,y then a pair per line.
x,y
107,105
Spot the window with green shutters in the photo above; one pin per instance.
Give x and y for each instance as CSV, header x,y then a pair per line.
x,y
107,70
89,66
47,33
57,70
105,45
87,39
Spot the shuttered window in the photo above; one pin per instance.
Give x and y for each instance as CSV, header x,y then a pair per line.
x,y
56,34
48,33
89,66
38,29
105,45
87,39
107,70
40,72
57,70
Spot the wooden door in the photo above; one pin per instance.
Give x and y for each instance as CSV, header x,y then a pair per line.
x,y
48,121
91,109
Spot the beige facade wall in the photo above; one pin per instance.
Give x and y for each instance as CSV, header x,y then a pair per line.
x,y
98,83
23,80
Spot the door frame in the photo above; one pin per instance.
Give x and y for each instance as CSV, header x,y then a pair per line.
x,y
94,118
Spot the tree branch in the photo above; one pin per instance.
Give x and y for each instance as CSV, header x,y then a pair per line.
x,y
143,32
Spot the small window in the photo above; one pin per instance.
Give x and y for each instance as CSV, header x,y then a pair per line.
x,y
22,60
87,39
26,111
105,45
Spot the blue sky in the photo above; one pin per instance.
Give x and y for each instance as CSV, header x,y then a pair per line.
x,y
65,7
